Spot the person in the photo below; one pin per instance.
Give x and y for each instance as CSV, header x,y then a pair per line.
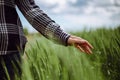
x,y
12,39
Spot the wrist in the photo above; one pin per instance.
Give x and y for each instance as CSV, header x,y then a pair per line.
x,y
69,41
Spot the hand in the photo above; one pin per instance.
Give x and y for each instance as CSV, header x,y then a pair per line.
x,y
81,44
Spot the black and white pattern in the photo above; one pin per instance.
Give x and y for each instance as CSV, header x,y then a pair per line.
x,y
12,37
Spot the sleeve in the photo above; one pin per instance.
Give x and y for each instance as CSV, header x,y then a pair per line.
x,y
42,22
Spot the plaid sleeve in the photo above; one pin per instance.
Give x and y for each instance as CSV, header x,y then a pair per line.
x,y
42,22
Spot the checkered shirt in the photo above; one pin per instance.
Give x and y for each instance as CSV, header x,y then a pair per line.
x,y
12,38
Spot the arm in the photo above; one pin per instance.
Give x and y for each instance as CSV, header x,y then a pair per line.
x,y
47,27
41,22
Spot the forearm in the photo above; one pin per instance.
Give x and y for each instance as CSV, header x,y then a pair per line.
x,y
41,22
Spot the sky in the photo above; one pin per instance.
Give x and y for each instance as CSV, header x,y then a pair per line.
x,y
75,15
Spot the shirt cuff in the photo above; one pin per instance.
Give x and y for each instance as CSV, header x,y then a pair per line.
x,y
56,34
63,36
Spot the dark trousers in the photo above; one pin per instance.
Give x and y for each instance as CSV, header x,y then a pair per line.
x,y
10,66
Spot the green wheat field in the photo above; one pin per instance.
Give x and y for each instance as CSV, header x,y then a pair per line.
x,y
46,60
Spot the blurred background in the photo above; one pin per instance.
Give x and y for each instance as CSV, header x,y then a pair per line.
x,y
97,21
74,15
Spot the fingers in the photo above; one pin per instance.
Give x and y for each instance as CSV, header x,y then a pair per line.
x,y
84,49
90,46
84,42
88,50
79,48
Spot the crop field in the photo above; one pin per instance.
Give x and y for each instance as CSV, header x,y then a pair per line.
x,y
45,60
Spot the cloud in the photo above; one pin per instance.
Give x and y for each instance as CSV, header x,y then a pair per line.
x,y
77,6
108,8
82,12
